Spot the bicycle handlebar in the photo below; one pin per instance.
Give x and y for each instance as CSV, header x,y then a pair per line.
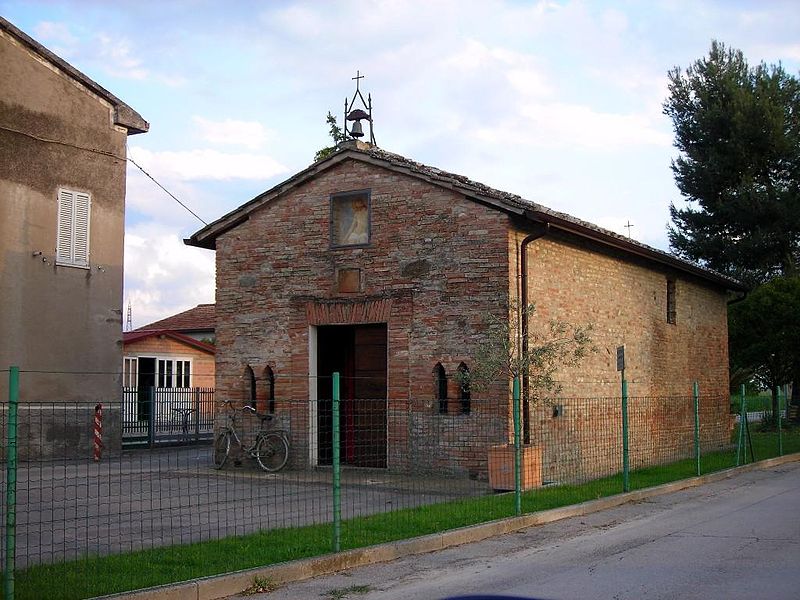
x,y
248,408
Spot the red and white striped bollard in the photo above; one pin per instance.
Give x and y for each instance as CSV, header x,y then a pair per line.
x,y
98,431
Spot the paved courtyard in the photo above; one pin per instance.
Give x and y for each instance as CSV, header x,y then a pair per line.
x,y
171,496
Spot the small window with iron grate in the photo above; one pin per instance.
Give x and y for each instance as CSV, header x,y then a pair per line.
x,y
440,387
672,310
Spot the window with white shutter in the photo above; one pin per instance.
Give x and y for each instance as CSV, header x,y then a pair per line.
x,y
72,245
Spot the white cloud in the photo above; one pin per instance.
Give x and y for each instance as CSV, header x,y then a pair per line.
x,y
163,276
207,164
57,36
300,21
144,199
250,134
115,54
521,71
789,51
558,125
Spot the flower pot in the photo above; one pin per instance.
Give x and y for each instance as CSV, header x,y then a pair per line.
x,y
501,467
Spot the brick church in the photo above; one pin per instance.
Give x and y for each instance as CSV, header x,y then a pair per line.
x,y
384,269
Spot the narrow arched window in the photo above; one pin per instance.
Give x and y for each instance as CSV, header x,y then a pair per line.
x,y
463,389
672,310
440,387
269,380
249,384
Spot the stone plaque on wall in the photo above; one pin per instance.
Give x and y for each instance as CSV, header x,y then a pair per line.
x,y
348,281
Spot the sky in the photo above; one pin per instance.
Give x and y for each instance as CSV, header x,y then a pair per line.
x,y
558,101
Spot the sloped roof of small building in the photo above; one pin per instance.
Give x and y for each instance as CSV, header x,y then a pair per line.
x,y
479,192
124,115
129,337
200,318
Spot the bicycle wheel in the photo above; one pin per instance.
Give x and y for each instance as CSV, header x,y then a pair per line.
x,y
222,449
272,452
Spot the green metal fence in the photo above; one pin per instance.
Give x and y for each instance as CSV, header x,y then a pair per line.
x,y
360,472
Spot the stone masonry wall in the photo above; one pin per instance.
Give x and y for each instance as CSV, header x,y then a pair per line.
x,y
435,266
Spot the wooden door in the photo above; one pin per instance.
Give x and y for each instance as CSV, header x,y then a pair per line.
x,y
358,354
369,397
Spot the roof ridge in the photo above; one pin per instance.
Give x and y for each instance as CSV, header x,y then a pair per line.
x,y
202,316
500,200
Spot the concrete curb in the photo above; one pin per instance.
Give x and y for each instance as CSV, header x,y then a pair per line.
x,y
229,584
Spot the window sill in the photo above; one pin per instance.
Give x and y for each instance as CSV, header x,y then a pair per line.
x,y
73,265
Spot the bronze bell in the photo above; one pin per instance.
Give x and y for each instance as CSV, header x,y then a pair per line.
x,y
357,131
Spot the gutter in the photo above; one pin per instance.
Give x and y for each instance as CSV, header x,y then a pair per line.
x,y
738,299
634,248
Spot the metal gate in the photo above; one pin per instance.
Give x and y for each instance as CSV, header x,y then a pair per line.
x,y
152,415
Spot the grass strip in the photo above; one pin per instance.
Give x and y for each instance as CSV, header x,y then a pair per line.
x,y
96,576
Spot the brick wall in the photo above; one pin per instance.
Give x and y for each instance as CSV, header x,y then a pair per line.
x,y
626,303
435,265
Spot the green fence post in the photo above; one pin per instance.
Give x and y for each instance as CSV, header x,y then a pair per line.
x,y
778,418
742,418
626,475
696,391
517,451
11,483
337,492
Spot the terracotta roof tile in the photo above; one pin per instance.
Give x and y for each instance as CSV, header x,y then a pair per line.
x,y
202,316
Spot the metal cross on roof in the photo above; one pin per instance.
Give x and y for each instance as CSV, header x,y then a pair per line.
x,y
628,226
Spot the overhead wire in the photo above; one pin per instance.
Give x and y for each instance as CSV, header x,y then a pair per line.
x,y
105,153
170,194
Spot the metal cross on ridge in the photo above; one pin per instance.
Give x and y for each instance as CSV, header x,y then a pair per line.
x,y
357,77
628,226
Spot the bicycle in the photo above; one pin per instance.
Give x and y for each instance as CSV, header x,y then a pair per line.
x,y
270,447
184,414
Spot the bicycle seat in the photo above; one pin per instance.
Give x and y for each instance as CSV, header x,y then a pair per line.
x,y
263,416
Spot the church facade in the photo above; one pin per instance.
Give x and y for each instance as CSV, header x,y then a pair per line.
x,y
386,270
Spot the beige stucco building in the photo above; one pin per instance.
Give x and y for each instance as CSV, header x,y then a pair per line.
x,y
62,191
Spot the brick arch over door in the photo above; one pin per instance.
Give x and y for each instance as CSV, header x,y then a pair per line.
x,y
349,313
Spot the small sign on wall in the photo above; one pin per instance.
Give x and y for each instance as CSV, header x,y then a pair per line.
x,y
620,358
348,281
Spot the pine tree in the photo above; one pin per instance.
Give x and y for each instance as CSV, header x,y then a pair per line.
x,y
738,132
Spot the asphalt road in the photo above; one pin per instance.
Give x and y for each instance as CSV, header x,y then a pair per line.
x,y
734,539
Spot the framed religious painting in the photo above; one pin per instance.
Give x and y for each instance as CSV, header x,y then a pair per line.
x,y
350,219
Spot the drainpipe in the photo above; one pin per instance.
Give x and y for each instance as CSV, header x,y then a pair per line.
x,y
741,297
523,248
